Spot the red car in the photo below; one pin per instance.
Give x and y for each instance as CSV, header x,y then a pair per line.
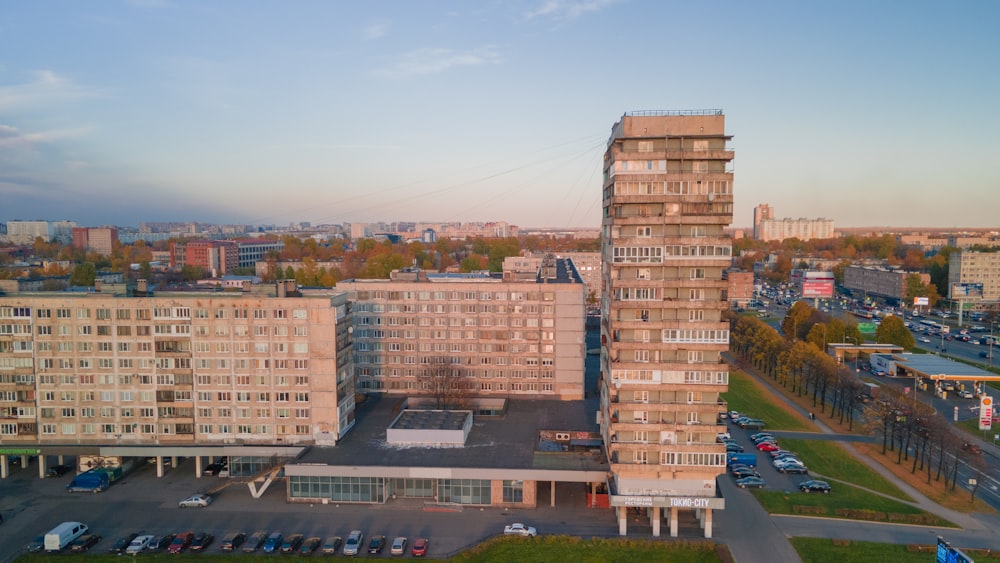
x,y
419,547
767,446
180,543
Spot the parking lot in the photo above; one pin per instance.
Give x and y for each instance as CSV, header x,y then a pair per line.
x,y
774,479
142,503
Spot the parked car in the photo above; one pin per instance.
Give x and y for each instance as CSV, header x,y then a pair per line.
x,y
36,545
273,542
398,546
291,543
419,548
353,543
232,541
520,529
122,543
332,544
761,436
159,543
793,468
195,501
744,472
254,542
213,469
723,436
181,542
376,544
58,470
753,423
751,482
814,486
201,541
310,545
84,543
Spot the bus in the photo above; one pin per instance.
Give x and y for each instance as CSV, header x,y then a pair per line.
x,y
864,311
931,326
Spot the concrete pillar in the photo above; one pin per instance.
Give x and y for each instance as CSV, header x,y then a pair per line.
x,y
697,515
673,521
173,462
41,466
593,494
61,460
197,466
4,468
708,522
159,466
552,494
622,520
24,462
655,519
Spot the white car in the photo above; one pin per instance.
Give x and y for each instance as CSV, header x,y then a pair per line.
x,y
965,394
138,545
519,529
195,501
925,340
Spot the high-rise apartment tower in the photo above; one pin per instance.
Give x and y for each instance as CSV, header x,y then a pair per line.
x,y
667,198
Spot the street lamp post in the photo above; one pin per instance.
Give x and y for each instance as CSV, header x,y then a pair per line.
x,y
857,354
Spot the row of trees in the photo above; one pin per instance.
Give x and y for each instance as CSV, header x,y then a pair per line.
x,y
799,363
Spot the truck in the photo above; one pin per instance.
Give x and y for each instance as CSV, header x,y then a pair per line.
x,y
746,459
871,390
62,535
93,481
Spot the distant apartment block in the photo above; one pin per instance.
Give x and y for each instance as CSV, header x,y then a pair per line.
x,y
251,251
263,267
588,265
970,267
62,231
215,368
761,213
484,335
101,240
218,257
966,241
25,232
802,229
880,281
667,198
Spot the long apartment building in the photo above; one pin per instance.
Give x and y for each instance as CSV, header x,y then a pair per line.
x,y
174,370
667,196
490,336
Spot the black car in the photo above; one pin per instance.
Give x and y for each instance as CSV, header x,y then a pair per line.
x,y
85,542
58,470
159,543
741,472
232,542
310,545
213,469
121,543
36,544
291,543
201,541
814,486
376,544
254,542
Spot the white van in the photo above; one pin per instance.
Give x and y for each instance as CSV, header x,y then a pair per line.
x,y
62,535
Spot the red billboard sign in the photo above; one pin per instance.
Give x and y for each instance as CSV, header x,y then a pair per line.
x,y
822,289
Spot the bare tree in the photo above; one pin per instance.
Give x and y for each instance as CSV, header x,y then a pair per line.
x,y
447,385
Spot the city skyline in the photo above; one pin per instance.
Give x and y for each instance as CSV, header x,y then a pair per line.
x,y
151,110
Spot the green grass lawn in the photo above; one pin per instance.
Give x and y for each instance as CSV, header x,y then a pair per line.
x,y
557,549
848,500
543,549
822,550
746,397
832,460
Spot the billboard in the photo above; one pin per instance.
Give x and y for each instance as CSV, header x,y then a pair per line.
x,y
985,412
966,291
921,301
817,288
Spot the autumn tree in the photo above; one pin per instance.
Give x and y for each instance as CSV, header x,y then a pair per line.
x,y
892,330
83,275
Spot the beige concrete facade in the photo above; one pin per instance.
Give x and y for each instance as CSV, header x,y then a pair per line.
x,y
181,369
879,281
667,199
975,268
488,335
802,229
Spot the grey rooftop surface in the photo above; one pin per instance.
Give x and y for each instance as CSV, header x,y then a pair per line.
x,y
507,442
932,364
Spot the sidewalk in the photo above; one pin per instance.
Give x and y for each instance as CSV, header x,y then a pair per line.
x,y
966,521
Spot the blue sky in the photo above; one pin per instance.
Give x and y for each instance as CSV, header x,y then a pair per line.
x,y
867,113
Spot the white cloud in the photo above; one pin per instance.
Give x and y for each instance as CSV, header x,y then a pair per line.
x,y
45,90
375,31
568,9
11,137
436,61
